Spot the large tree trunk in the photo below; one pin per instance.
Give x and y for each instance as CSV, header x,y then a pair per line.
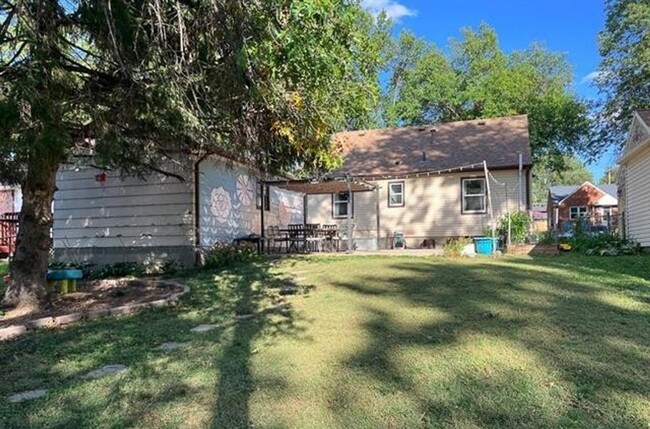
x,y
28,271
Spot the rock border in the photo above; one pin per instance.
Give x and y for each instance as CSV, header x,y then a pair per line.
x,y
52,322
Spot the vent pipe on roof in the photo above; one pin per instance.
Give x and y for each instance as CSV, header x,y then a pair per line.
x,y
424,156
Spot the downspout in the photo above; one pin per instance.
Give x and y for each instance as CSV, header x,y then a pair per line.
x,y
378,217
197,206
349,216
520,182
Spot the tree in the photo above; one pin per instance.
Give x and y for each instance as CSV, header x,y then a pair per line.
x,y
623,76
478,80
609,176
135,83
574,173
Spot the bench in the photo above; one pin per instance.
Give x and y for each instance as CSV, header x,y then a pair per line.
x,y
67,278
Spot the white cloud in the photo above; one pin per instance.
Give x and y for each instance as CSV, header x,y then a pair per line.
x,y
395,10
592,77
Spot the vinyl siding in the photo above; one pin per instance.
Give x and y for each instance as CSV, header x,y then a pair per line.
x,y
122,212
432,209
637,197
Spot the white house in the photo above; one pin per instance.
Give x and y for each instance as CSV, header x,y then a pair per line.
x,y
634,180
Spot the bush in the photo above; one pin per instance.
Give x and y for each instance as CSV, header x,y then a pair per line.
x,y
225,255
121,269
604,245
454,248
519,226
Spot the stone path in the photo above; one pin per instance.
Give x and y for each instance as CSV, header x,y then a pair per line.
x,y
24,396
106,370
166,347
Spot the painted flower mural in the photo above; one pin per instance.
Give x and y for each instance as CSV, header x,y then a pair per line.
x,y
220,204
245,189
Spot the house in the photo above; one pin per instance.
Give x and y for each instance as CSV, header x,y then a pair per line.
x,y
597,205
634,180
428,183
540,217
103,218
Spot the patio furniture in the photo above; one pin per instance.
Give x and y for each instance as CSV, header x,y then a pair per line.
x,y
296,233
254,239
331,236
275,236
313,237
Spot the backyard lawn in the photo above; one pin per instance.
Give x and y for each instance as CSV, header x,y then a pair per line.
x,y
366,342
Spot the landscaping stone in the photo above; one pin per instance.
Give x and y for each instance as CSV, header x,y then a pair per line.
x,y
106,370
166,347
204,328
24,396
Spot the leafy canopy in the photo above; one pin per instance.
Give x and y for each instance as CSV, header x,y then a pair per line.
x,y
478,80
624,72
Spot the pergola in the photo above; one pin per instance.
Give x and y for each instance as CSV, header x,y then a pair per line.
x,y
325,186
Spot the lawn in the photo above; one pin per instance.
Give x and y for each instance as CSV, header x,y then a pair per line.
x,y
367,342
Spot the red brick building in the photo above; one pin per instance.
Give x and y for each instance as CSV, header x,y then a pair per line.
x,y
597,206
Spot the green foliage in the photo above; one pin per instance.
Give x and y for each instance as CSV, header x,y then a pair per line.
x,y
226,255
454,248
519,226
567,170
479,80
604,245
623,76
121,269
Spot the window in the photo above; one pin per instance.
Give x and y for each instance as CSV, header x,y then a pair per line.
x,y
577,212
396,194
267,197
340,204
473,191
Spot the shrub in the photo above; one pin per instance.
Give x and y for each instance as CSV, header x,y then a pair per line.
x,y
604,245
225,255
519,226
454,248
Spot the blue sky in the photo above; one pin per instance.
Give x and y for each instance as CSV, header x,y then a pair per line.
x,y
569,26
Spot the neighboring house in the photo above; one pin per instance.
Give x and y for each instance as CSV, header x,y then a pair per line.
x,y
540,217
428,183
10,199
598,205
103,218
634,180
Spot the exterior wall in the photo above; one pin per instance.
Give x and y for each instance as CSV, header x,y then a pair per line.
x,y
228,203
637,197
432,209
122,220
7,200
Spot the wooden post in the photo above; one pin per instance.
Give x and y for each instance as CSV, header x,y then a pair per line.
x,y
349,215
262,234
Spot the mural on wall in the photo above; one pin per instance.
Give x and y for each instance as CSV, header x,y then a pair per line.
x,y
227,204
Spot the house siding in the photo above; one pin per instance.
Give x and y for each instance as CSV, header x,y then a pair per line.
x,y
637,197
123,219
228,203
432,209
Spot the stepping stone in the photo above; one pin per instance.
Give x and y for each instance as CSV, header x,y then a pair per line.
x,y
106,370
204,328
166,347
24,396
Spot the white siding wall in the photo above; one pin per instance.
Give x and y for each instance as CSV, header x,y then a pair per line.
x,y
637,197
129,212
227,203
432,209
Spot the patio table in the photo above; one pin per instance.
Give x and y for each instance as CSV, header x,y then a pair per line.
x,y
300,238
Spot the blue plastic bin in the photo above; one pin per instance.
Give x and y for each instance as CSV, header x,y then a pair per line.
x,y
485,245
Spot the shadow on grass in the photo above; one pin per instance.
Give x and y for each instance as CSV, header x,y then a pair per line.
x,y
238,300
525,343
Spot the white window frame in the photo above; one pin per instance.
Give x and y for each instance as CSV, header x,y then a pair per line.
x,y
464,195
337,202
392,194
581,211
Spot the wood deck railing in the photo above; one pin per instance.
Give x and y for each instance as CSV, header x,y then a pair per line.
x,y
8,233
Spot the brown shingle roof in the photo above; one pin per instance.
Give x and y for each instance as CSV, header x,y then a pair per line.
x,y
645,116
395,151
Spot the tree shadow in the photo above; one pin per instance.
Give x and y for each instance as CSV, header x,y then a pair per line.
x,y
542,347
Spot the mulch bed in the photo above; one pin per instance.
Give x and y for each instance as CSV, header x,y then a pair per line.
x,y
97,295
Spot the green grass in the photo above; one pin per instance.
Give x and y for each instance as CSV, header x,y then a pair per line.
x,y
370,342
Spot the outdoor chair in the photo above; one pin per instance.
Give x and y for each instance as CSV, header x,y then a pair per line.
x,y
274,240
296,238
313,237
331,236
